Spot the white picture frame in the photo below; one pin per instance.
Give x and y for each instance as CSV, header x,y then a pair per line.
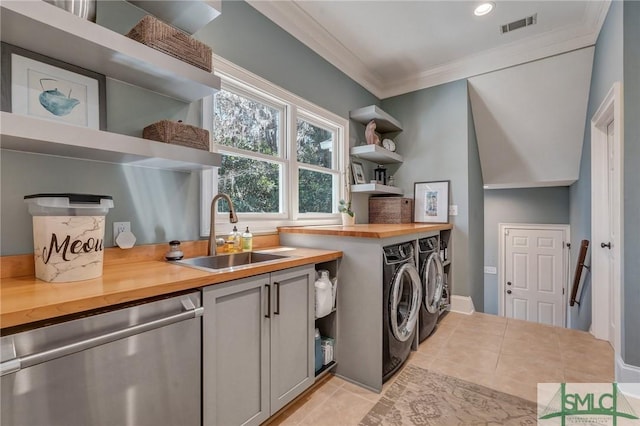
x,y
358,173
431,202
42,87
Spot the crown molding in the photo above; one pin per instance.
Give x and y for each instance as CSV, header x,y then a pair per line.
x,y
293,19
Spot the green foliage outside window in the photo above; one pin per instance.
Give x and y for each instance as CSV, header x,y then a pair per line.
x,y
314,192
254,184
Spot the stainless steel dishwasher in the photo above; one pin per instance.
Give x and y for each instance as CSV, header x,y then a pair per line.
x,y
139,365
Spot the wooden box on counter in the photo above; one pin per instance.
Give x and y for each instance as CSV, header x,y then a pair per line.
x,y
390,210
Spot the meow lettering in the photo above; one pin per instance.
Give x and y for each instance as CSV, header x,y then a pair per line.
x,y
67,246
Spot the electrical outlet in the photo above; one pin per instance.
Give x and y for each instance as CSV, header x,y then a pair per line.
x,y
453,210
490,270
119,227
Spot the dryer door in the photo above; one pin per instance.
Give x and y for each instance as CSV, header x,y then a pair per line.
x,y
433,274
404,303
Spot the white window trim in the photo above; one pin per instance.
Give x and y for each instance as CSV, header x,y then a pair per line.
x,y
270,223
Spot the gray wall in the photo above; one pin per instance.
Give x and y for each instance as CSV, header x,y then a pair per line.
x,y
631,286
245,37
163,205
527,205
607,68
476,216
435,146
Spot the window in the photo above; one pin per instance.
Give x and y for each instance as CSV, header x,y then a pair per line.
x,y
249,135
282,157
318,180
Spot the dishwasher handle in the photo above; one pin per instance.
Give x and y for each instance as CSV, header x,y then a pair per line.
x,y
16,364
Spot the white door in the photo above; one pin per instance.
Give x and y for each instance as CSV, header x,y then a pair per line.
x,y
534,274
610,226
606,206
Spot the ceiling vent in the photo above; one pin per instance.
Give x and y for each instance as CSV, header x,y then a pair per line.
x,y
520,23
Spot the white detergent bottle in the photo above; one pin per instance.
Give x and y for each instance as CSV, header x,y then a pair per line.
x,y
324,295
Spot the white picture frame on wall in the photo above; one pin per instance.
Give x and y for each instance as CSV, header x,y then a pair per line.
x,y
431,202
49,89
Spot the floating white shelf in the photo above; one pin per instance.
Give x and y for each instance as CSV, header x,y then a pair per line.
x,y
189,15
51,31
384,122
374,188
28,134
376,154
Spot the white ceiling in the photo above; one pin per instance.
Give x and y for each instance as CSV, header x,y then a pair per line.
x,y
393,47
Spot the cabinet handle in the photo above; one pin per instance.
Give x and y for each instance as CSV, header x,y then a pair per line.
x,y
277,288
268,314
18,363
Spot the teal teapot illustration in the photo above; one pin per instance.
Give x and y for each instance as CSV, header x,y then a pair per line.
x,y
56,102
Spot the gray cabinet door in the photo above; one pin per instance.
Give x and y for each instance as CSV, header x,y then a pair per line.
x,y
236,352
292,344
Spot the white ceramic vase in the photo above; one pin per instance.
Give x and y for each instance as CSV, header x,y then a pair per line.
x,y
348,220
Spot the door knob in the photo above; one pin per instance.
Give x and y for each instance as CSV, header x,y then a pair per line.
x,y
508,291
508,282
608,245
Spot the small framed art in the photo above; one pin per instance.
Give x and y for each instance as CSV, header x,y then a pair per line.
x,y
43,87
358,173
431,202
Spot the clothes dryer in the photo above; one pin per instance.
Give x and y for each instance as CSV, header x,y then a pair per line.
x,y
432,282
402,292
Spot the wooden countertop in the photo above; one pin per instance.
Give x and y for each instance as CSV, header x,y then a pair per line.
x,y
375,230
25,299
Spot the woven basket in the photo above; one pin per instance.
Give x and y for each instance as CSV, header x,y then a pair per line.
x,y
165,38
177,133
390,210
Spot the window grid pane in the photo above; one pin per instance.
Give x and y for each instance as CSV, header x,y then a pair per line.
x,y
315,145
315,191
246,124
253,185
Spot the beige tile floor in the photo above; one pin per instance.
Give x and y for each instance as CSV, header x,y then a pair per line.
x,y
508,355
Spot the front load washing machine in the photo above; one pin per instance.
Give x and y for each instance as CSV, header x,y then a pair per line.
x,y
432,279
402,293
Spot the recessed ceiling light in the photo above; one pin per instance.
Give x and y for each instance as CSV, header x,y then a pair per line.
x,y
484,8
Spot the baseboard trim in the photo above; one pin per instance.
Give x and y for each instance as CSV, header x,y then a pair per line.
x,y
462,305
629,375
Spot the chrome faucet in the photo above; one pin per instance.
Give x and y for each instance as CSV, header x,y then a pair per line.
x,y
212,227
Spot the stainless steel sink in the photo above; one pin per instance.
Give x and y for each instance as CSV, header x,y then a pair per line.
x,y
215,263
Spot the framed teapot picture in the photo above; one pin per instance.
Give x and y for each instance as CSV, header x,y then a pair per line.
x,y
49,89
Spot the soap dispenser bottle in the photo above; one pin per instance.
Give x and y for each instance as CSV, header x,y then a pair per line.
x,y
233,241
247,240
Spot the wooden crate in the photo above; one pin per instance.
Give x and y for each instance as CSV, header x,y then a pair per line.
x,y
390,210
176,132
165,38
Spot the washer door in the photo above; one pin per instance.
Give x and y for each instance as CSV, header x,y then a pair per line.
x,y
404,303
433,274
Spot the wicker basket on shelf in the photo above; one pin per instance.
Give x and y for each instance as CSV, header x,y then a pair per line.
x,y
176,132
390,210
163,37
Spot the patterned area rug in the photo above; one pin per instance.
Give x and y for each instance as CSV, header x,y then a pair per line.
x,y
420,397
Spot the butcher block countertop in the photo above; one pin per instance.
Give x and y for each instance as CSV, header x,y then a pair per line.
x,y
25,299
376,230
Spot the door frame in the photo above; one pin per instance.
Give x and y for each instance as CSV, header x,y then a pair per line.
x,y
502,228
609,110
